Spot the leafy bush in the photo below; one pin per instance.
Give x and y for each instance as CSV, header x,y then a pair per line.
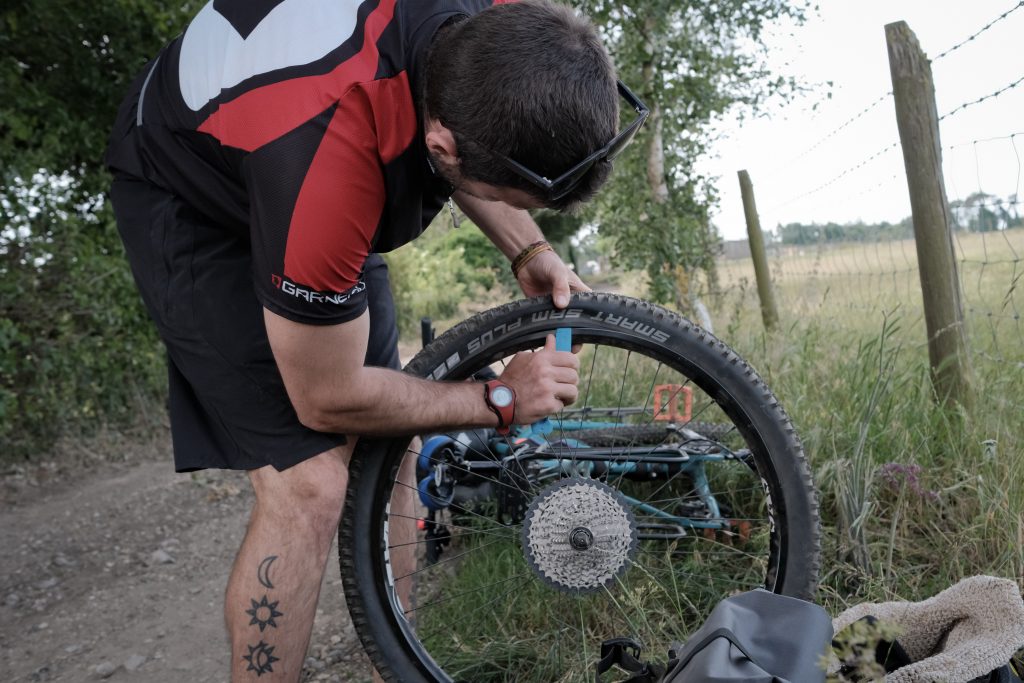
x,y
76,347
444,273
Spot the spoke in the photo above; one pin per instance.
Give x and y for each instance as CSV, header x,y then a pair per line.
x,y
484,477
586,396
453,538
722,549
710,548
490,532
457,507
573,450
668,481
732,561
647,402
657,409
522,579
524,576
708,577
615,602
513,476
468,446
557,615
622,475
681,520
693,492
692,419
590,381
583,631
622,384
450,559
640,608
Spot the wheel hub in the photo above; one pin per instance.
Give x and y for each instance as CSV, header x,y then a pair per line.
x,y
579,535
581,538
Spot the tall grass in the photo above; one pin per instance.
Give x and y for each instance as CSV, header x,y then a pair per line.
x,y
914,496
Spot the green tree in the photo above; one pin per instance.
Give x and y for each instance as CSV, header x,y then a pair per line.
x,y
76,349
559,229
690,62
65,65
816,233
983,212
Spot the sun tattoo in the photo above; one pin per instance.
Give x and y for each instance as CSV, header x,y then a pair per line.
x,y
263,613
260,658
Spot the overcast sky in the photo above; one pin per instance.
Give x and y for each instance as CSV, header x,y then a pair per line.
x,y
790,154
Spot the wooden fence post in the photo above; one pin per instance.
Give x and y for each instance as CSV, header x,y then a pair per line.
x,y
769,312
918,122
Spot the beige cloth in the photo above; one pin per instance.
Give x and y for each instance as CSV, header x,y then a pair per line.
x,y
962,633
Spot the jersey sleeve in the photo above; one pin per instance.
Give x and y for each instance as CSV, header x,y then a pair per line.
x,y
316,198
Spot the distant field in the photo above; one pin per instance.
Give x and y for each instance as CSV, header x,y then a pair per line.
x,y
854,284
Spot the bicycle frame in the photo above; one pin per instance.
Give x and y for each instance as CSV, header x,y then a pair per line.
x,y
567,456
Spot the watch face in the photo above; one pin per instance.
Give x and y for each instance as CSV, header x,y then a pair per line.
x,y
501,396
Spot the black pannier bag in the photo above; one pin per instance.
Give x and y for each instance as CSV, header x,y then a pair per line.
x,y
752,637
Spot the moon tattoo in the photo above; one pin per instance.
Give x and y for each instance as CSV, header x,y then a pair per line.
x,y
263,573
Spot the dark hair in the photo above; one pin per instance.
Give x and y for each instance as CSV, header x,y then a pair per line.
x,y
529,80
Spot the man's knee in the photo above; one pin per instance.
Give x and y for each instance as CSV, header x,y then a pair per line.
x,y
310,494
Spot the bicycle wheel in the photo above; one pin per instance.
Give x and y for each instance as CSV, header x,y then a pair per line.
x,y
562,543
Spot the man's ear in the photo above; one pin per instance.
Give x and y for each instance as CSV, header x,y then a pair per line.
x,y
441,143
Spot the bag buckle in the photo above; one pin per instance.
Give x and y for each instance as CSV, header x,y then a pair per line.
x,y
625,654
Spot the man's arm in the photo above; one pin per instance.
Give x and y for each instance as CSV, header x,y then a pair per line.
x,y
509,228
332,391
512,229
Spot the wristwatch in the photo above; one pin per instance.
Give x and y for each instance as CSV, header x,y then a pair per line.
x,y
501,399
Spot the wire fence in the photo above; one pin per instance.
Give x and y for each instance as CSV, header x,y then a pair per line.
x,y
854,275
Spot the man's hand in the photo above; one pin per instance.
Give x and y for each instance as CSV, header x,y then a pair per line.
x,y
546,273
545,381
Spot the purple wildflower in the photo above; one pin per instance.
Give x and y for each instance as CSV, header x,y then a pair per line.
x,y
896,476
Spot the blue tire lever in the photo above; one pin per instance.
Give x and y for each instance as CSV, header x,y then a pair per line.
x,y
563,342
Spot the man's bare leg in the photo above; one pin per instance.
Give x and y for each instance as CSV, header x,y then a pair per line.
x,y
275,582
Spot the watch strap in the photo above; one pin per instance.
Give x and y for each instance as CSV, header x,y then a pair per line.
x,y
506,414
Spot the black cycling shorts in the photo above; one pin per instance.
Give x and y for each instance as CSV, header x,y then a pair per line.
x,y
228,404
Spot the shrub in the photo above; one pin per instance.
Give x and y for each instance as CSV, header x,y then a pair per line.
x,y
76,348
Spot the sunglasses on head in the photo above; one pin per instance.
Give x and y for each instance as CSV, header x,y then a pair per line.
x,y
555,189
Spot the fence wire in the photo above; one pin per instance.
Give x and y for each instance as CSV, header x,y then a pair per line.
x,y
988,241
854,276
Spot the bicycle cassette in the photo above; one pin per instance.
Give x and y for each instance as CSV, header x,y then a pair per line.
x,y
579,535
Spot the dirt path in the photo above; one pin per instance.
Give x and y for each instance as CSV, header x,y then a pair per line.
x,y
117,574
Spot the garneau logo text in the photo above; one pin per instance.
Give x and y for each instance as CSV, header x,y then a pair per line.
x,y
313,296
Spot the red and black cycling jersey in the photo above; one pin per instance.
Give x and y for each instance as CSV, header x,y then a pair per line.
x,y
296,125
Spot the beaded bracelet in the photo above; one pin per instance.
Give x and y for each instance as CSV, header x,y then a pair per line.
x,y
527,254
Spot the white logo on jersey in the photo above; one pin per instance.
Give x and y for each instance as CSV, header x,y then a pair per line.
x,y
215,57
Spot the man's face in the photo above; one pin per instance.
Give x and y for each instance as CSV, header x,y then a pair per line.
x,y
509,195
